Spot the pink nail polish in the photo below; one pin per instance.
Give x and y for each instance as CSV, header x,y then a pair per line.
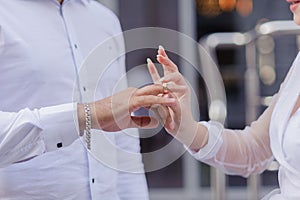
x,y
161,47
172,126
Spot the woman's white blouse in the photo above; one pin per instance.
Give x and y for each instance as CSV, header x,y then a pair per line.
x,y
276,134
290,181
291,141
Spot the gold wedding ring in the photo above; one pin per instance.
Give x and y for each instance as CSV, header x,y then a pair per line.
x,y
165,88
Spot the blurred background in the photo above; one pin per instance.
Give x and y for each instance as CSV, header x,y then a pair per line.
x,y
253,43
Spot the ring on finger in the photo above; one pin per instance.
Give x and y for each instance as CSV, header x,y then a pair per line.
x,y
165,88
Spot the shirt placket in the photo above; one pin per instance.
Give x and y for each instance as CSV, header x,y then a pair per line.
x,y
81,91
77,57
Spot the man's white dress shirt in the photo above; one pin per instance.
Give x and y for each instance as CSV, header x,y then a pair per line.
x,y
42,46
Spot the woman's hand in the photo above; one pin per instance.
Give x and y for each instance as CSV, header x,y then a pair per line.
x,y
114,113
177,118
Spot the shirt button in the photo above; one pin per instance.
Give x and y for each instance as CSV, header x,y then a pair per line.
x,y
84,89
59,145
75,45
93,180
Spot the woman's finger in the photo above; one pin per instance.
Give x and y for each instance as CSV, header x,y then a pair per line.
x,y
168,65
157,110
169,125
176,109
143,122
175,77
161,51
164,116
168,120
172,87
153,71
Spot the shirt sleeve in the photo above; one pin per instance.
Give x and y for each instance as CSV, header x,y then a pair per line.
x,y
29,133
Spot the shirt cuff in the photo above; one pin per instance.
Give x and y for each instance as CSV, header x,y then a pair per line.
x,y
60,125
214,143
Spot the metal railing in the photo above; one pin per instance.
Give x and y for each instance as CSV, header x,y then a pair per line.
x,y
262,35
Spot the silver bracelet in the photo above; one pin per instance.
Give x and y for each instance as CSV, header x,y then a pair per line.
x,y
88,125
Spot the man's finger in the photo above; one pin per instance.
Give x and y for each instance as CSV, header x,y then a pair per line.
x,y
154,89
145,101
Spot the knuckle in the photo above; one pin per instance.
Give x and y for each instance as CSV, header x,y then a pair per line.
x,y
140,100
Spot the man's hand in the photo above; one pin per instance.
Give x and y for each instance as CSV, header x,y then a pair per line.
x,y
114,113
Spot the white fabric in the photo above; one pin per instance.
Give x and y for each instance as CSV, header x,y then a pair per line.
x,y
214,140
42,46
27,133
274,134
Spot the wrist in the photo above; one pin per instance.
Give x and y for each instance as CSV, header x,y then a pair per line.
x,y
200,137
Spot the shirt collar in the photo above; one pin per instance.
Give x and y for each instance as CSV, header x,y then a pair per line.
x,y
83,1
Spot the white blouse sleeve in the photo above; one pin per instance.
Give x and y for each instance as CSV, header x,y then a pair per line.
x,y
241,152
29,133
237,152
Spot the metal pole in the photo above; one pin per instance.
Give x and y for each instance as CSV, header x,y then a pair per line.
x,y
187,26
252,101
218,184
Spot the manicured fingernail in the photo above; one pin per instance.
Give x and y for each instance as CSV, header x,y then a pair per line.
x,y
172,126
149,60
161,47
